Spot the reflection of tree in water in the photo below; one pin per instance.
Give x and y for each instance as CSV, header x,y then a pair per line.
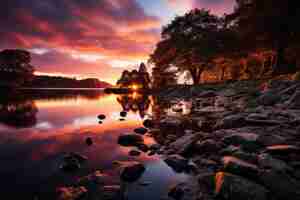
x,y
17,112
135,102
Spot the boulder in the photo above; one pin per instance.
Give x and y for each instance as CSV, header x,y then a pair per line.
x,y
96,177
239,167
132,171
141,130
72,162
130,140
266,161
268,99
184,143
205,146
177,162
71,193
233,187
231,121
280,184
247,141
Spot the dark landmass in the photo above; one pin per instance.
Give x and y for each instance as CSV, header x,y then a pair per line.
x,y
63,82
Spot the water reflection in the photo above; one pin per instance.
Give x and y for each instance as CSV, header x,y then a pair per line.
x,y
30,155
135,102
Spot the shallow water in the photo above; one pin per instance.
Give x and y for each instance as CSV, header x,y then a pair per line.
x,y
37,128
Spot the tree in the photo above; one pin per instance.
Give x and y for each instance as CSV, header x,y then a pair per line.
x,y
190,42
269,24
15,67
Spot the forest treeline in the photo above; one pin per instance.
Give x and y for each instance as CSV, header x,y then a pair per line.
x,y
260,39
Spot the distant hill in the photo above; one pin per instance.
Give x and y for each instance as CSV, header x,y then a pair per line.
x,y
63,82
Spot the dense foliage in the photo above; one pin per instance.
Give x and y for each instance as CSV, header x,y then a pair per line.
x,y
259,39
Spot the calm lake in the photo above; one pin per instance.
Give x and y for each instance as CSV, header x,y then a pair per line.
x,y
38,127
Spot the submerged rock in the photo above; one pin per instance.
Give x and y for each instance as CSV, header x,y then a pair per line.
x,y
123,114
101,117
233,187
132,171
130,140
89,141
141,130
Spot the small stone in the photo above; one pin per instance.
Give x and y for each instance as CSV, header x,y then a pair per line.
x,y
101,117
130,140
123,114
89,141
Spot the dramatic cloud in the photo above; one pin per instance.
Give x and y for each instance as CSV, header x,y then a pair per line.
x,y
94,38
216,6
113,29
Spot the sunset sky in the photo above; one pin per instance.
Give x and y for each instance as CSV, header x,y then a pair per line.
x,y
91,38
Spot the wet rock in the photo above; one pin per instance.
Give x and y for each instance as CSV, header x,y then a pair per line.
x,y
100,122
141,130
206,180
205,146
184,143
271,139
148,123
282,149
206,163
233,187
134,153
89,141
177,163
132,171
176,192
239,167
101,117
155,147
130,140
229,150
71,193
247,141
171,124
267,162
123,114
122,119
294,101
231,121
142,147
249,157
281,185
268,99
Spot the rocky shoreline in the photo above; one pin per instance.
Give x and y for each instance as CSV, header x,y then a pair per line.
x,y
241,141
238,141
